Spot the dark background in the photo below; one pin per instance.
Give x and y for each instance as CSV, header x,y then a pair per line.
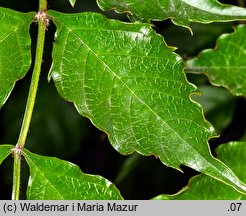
x,y
58,130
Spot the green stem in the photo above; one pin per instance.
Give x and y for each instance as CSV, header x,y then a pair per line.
x,y
16,177
42,5
42,24
34,85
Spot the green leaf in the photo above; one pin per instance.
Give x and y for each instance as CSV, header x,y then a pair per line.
x,y
15,51
226,65
181,12
131,85
72,2
52,178
5,151
204,187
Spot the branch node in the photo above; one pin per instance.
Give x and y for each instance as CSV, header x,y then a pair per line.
x,y
17,150
42,16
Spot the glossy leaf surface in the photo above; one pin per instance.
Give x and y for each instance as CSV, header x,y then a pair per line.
x,y
5,151
182,12
131,85
52,178
226,65
15,52
206,188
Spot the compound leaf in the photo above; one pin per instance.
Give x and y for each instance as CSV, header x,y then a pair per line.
x,y
131,85
226,65
5,151
15,51
182,12
204,187
52,178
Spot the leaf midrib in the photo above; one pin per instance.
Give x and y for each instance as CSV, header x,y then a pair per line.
x,y
208,164
119,78
71,31
76,167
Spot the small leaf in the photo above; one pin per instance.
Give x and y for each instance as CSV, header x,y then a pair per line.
x,y
15,51
72,2
52,178
5,151
226,65
206,188
131,85
182,12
